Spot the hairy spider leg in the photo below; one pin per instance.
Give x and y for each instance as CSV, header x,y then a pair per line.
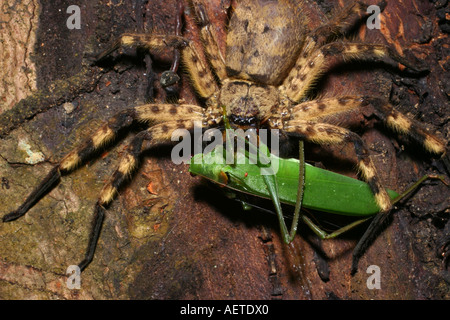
x,y
196,64
210,42
154,43
146,113
308,69
342,22
155,135
174,115
70,161
201,76
320,49
343,111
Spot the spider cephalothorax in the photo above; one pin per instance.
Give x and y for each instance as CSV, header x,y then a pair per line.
x,y
262,79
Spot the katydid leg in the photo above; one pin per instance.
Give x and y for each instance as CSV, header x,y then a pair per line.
x,y
323,234
272,186
379,219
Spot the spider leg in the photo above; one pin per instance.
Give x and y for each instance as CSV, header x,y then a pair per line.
x,y
128,42
155,135
201,75
342,22
209,37
146,113
100,137
311,66
127,164
46,184
349,111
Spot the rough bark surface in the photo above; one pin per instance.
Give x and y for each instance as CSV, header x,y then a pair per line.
x,y
18,22
169,235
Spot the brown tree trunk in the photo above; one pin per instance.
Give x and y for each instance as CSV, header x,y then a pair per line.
x,y
171,236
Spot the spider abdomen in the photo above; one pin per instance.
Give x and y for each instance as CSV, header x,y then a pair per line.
x,y
263,49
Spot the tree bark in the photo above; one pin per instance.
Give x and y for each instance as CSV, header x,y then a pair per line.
x,y
171,236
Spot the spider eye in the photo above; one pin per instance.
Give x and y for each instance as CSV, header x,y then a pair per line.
x,y
242,121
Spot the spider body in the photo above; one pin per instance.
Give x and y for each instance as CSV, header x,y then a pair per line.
x,y
263,78
248,102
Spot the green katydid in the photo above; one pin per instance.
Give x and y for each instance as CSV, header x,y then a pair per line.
x,y
295,183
